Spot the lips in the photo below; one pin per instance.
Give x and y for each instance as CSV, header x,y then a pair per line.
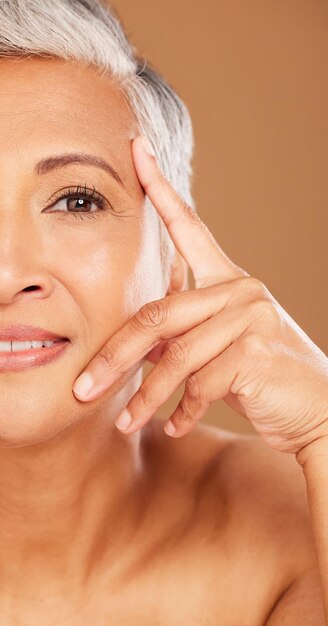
x,y
23,332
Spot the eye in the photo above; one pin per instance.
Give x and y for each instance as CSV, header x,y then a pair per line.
x,y
81,200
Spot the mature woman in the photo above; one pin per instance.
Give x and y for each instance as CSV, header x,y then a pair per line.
x,y
101,525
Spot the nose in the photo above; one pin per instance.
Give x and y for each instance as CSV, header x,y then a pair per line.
x,y
23,273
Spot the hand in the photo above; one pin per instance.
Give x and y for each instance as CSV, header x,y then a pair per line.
x,y
227,339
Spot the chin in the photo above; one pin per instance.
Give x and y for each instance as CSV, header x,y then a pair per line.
x,y
31,416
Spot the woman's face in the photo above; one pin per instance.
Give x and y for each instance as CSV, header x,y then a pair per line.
x,y
91,269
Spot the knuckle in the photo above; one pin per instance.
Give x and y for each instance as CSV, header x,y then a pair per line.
x,y
108,359
254,345
145,396
177,354
267,310
191,215
151,315
189,410
251,287
193,389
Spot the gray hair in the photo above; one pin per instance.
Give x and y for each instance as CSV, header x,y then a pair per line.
x,y
90,32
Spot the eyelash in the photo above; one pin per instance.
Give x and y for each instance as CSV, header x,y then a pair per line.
x,y
86,194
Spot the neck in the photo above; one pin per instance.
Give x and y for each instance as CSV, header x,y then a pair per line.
x,y
68,507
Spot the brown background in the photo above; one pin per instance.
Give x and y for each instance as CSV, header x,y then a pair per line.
x,y
254,77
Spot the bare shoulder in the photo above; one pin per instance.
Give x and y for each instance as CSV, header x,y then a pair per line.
x,y
250,502
251,476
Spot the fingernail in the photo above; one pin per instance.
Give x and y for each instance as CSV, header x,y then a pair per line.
x,y
169,428
83,384
124,420
148,147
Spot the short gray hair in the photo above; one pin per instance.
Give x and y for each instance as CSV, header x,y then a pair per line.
x,y
90,32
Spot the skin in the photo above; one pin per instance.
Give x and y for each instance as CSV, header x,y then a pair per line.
x,y
65,470
95,522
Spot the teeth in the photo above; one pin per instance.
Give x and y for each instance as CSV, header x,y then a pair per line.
x,y
5,346
20,345
36,344
15,346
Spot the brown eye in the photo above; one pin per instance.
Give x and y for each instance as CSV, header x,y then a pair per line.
x,y
80,200
79,204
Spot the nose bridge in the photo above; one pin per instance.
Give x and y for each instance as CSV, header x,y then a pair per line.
x,y
18,235
21,253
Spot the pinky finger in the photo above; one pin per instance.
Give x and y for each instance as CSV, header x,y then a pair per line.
x,y
211,382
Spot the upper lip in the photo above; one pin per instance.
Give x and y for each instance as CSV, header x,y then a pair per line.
x,y
22,332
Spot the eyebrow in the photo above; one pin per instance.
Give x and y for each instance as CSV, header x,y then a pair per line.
x,y
61,160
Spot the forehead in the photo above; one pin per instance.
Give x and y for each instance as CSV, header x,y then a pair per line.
x,y
49,88
50,101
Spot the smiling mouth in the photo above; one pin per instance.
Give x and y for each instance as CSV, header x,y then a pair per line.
x,y
22,354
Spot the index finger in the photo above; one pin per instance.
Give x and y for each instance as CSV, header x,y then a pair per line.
x,y
189,233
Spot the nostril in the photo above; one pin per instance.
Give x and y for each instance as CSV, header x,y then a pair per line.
x,y
31,288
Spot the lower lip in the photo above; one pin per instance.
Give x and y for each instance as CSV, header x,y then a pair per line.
x,y
33,357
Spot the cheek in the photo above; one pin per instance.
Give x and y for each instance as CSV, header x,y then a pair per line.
x,y
110,275
97,277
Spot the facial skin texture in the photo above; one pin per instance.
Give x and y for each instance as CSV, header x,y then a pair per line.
x,y
66,472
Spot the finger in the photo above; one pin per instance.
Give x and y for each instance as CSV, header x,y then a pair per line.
x,y
155,321
212,382
188,354
189,233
